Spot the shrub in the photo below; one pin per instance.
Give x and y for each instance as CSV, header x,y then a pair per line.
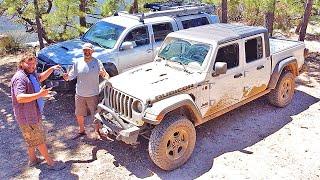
x,y
9,44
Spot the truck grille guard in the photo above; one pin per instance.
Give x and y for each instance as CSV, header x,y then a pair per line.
x,y
119,106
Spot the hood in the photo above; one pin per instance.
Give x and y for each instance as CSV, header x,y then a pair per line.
x,y
153,79
68,51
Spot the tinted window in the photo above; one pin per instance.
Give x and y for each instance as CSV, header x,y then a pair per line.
x,y
254,49
229,54
139,36
194,22
160,31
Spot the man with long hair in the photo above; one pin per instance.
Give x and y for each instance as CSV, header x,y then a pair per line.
x,y
27,102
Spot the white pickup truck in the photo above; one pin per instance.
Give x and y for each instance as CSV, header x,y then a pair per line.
x,y
124,41
199,74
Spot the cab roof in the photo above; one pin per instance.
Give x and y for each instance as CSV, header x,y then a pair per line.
x,y
218,33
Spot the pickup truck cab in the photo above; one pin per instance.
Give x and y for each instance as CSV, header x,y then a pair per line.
x,y
199,74
124,41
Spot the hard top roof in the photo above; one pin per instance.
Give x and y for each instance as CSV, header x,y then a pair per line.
x,y
218,33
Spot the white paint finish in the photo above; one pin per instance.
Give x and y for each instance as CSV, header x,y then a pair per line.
x,y
153,79
281,49
256,73
225,89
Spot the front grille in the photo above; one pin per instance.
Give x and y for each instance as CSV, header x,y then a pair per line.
x,y
119,102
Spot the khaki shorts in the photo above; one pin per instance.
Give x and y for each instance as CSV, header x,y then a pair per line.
x,y
33,134
83,105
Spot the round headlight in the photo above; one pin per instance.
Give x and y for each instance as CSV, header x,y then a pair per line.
x,y
137,106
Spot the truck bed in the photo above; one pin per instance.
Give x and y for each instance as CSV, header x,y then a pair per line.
x,y
281,49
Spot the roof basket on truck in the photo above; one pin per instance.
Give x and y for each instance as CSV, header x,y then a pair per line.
x,y
171,9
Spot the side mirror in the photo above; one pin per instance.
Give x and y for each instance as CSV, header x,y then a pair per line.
x,y
219,68
126,45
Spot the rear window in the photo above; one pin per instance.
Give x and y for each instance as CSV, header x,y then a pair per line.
x,y
194,22
254,49
160,31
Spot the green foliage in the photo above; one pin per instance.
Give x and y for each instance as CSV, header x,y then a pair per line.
x,y
110,7
61,23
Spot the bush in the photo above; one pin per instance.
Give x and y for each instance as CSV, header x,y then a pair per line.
x,y
9,44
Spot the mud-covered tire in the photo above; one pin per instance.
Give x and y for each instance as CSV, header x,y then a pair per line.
x,y
282,95
172,142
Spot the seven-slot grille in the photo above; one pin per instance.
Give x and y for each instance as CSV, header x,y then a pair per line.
x,y
119,102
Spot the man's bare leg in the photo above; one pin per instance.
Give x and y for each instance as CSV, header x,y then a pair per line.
x,y
44,152
80,120
32,154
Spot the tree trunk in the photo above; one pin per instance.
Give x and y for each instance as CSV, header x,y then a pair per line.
x,y
38,23
305,20
82,17
297,31
269,17
134,7
224,14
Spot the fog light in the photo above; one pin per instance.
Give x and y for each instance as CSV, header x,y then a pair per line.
x,y
137,106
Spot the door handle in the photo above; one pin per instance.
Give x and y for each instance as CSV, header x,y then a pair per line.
x,y
149,51
238,75
260,67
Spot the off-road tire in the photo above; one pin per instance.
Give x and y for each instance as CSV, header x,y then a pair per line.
x,y
172,142
282,95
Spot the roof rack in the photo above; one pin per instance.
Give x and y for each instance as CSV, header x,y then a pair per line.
x,y
172,9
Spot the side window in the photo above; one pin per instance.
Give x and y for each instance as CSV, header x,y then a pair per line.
x,y
160,31
254,49
194,22
140,36
229,54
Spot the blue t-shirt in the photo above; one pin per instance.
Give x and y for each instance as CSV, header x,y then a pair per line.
x,y
37,87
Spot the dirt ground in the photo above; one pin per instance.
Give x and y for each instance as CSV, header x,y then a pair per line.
x,y
255,141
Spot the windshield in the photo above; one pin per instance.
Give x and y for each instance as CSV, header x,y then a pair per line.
x,y
185,51
103,34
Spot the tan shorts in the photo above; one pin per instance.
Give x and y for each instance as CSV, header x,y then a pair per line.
x,y
83,105
33,134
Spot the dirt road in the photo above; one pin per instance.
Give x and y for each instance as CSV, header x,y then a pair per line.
x,y
256,141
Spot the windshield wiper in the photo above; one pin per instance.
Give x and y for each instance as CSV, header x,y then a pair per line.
x,y
184,66
98,44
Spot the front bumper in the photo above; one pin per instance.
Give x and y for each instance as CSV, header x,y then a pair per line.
x,y
113,124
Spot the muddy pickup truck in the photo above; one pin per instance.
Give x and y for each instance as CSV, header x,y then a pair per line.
x,y
124,41
198,75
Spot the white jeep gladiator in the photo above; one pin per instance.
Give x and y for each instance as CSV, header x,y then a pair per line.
x,y
197,75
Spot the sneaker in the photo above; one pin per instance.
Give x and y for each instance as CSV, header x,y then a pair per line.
x,y
34,163
57,166
78,135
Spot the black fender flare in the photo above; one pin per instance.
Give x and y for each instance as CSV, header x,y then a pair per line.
x,y
278,69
